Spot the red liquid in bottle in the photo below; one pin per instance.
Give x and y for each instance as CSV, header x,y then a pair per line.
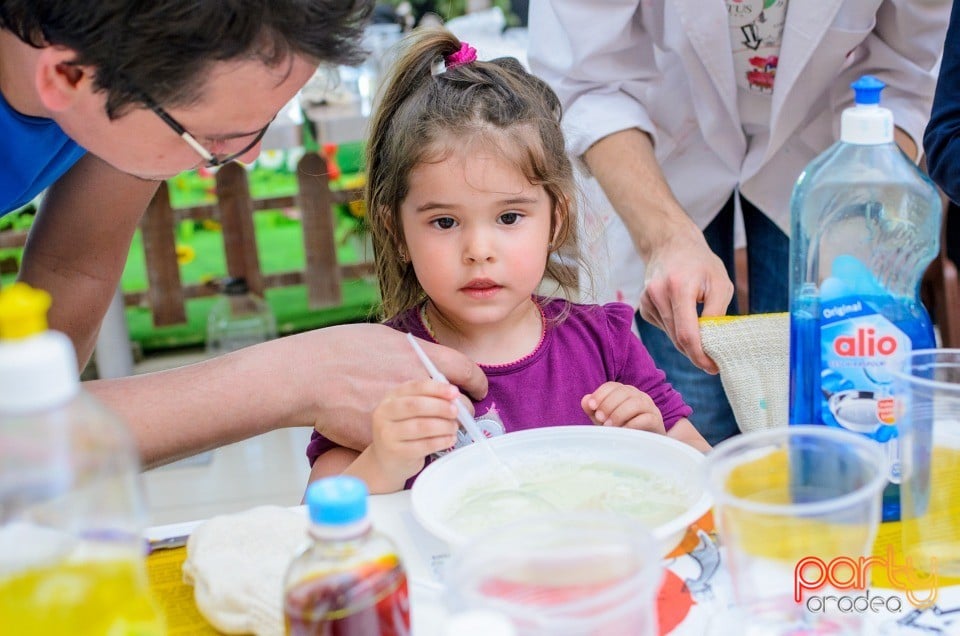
x,y
371,601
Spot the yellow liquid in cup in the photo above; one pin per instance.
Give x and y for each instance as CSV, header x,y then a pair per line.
x,y
933,537
782,537
103,597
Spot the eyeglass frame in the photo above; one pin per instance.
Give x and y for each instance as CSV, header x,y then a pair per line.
x,y
212,160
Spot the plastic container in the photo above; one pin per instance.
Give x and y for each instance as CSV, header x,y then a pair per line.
x,y
71,504
479,623
930,427
238,319
787,500
561,574
569,467
350,580
865,225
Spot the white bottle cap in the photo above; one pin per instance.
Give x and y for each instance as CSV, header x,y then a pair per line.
x,y
37,373
866,123
479,622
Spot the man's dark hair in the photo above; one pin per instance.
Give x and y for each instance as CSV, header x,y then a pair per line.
x,y
164,47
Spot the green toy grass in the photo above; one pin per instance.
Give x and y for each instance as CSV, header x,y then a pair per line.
x,y
279,247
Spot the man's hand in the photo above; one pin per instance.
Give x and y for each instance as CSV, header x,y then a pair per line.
x,y
681,273
681,270
361,364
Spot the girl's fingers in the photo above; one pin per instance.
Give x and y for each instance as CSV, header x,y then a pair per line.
x,y
416,406
614,398
632,405
424,428
428,446
592,401
430,388
652,422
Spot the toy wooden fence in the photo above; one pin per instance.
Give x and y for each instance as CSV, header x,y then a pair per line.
x,y
234,210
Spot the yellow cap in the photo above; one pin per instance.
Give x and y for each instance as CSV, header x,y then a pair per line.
x,y
23,311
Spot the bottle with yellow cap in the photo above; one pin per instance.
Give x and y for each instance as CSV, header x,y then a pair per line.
x,y
71,504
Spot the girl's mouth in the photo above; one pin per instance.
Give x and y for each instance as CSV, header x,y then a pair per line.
x,y
481,288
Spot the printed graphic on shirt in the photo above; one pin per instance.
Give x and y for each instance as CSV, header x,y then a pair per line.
x,y
756,32
490,423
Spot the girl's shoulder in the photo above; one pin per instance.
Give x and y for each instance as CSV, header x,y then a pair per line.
x,y
409,322
615,317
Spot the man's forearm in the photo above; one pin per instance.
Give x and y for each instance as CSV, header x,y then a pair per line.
x,y
680,270
625,166
78,245
329,378
184,411
907,144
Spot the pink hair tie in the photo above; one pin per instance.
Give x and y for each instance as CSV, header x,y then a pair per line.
x,y
465,55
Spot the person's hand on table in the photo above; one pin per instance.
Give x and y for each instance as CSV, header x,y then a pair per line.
x,y
681,272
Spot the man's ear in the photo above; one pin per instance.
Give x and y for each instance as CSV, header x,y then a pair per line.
x,y
58,82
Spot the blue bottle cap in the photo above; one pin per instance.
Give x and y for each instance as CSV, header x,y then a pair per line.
x,y
866,90
337,500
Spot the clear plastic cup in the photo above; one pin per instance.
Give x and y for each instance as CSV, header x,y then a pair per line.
x,y
562,574
796,507
71,515
929,429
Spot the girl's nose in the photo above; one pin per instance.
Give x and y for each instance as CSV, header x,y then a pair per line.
x,y
479,247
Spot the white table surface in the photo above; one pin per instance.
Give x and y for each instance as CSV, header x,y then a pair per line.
x,y
705,585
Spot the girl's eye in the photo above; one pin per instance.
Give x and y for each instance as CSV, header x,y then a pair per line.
x,y
443,223
510,218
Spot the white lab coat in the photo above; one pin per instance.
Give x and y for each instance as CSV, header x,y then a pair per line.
x,y
666,67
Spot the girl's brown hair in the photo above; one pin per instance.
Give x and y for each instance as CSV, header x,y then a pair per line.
x,y
424,106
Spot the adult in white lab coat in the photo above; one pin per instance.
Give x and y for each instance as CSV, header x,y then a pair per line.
x,y
675,106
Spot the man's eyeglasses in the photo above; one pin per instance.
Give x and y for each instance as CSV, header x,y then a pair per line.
x,y
211,158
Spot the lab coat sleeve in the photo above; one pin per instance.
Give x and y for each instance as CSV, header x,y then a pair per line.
x,y
600,61
902,50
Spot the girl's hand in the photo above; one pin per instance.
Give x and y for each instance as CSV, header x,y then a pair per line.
x,y
413,420
616,404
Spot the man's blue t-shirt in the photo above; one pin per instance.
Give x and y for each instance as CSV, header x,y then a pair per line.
x,y
35,153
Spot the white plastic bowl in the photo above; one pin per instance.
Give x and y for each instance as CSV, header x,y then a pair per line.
x,y
441,487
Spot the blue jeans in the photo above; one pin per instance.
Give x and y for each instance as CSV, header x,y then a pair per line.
x,y
768,253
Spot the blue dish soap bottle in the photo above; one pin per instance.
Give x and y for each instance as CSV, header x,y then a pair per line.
x,y
865,225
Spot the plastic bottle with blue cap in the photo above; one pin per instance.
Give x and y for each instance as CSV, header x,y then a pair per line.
x,y
350,580
865,223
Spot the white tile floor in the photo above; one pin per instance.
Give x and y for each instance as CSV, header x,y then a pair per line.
x,y
268,469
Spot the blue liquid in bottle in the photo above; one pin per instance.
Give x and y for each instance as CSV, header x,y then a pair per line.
x,y
865,225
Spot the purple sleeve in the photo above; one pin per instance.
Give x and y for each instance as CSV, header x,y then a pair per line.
x,y
318,446
635,367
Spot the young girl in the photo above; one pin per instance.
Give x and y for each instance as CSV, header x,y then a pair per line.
x,y
469,196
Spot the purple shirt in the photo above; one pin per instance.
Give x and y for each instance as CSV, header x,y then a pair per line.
x,y
592,344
